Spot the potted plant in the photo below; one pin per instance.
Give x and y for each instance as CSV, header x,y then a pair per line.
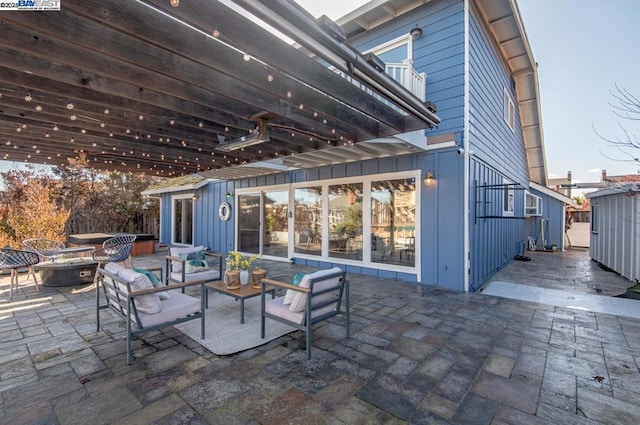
x,y
237,261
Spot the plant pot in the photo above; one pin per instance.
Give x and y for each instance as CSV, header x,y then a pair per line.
x,y
244,277
257,276
232,279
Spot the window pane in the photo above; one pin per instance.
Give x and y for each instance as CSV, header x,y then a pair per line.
x,y
345,221
183,221
276,206
249,223
308,220
393,219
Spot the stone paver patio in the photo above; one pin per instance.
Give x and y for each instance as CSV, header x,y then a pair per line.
x,y
417,354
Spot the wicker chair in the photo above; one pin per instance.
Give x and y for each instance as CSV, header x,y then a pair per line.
x,y
119,244
15,260
114,250
47,249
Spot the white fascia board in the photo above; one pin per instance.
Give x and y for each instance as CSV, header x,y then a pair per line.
x,y
551,193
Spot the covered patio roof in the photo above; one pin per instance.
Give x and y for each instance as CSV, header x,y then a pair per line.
x,y
143,86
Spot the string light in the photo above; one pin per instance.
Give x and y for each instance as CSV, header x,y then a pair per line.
x,y
246,57
69,105
55,128
106,111
38,108
73,117
28,98
175,3
216,34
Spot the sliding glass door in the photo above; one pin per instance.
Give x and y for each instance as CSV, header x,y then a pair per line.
x,y
182,222
263,223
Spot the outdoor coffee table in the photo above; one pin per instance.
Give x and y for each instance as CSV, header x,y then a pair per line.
x,y
242,293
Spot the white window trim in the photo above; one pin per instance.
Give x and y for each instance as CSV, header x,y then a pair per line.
x,y
173,217
392,44
509,110
538,207
366,186
509,192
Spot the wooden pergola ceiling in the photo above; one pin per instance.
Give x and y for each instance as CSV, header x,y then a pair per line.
x,y
142,86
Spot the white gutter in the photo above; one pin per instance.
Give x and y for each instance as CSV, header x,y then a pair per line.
x,y
466,145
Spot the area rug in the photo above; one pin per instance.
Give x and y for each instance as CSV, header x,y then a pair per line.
x,y
224,334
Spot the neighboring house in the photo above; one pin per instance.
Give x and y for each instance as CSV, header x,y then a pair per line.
x,y
449,206
615,228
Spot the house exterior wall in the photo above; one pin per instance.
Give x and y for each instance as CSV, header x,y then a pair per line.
x,y
439,53
491,139
552,215
440,249
615,239
499,154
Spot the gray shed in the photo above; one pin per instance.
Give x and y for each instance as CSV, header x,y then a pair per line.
x,y
615,228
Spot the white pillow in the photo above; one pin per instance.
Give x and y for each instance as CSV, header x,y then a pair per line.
x,y
113,268
176,266
149,303
299,302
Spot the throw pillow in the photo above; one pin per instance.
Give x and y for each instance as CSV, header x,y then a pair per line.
x,y
194,266
176,266
295,281
149,303
299,302
164,295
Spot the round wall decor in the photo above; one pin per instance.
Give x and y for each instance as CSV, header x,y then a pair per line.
x,y
224,211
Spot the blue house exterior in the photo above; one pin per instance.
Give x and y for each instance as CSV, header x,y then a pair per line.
x,y
485,194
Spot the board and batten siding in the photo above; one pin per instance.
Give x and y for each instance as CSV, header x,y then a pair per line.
x,y
615,243
441,206
494,241
439,53
491,139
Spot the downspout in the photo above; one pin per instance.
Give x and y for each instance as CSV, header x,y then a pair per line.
x,y
297,24
466,145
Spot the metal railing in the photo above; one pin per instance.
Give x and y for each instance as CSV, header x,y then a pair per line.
x,y
404,73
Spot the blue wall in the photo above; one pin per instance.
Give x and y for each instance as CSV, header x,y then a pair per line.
x,y
552,214
439,53
491,138
441,206
494,241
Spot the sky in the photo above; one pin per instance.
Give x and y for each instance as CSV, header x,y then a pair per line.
x,y
584,48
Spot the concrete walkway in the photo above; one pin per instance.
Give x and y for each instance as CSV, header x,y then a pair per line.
x,y
417,354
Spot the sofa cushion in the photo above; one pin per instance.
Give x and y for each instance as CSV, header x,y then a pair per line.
x,y
179,305
149,303
207,276
295,281
299,302
176,266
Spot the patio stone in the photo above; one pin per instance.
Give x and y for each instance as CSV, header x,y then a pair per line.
x,y
416,355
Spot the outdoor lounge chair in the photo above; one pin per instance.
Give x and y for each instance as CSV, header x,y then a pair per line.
x,y
133,298
15,260
180,267
318,297
47,249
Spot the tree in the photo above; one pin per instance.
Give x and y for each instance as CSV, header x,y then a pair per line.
x,y
627,107
66,201
30,207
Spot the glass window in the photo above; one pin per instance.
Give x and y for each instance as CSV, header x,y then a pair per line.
x,y
249,223
308,220
594,218
532,204
508,198
183,221
393,221
509,111
345,221
276,208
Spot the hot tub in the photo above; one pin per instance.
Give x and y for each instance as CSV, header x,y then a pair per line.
x,y
145,243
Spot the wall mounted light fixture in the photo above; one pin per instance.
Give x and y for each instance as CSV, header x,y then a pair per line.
x,y
416,33
229,195
195,197
429,178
